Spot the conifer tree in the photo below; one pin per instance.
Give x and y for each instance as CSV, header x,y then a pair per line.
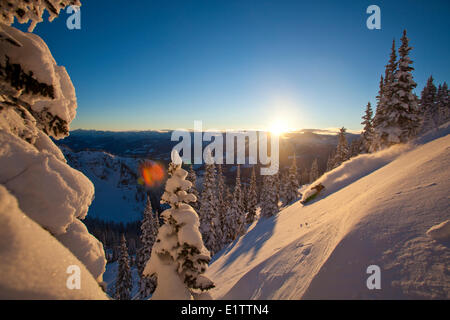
x,y
355,148
314,173
269,199
399,121
252,198
428,107
235,214
124,283
293,184
179,258
330,161
367,134
305,176
443,104
384,96
221,207
149,231
342,151
208,212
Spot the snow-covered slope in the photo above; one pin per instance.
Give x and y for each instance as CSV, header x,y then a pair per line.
x,y
322,250
118,196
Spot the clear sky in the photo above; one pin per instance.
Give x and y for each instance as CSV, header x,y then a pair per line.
x,y
139,65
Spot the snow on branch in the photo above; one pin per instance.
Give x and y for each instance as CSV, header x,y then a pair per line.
x,y
26,10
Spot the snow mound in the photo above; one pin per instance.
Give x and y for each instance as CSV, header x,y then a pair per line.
x,y
440,232
86,247
48,190
36,268
323,250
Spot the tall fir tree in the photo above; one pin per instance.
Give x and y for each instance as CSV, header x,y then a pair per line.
x,y
124,282
305,176
179,258
293,184
367,133
428,106
314,173
330,161
400,121
208,212
269,198
342,151
384,96
235,221
355,148
443,104
149,231
221,207
252,198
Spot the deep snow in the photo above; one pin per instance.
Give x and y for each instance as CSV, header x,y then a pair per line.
x,y
322,250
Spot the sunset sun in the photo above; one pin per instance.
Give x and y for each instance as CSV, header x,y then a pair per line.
x,y
278,128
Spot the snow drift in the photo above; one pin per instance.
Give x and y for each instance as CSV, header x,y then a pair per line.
x,y
378,214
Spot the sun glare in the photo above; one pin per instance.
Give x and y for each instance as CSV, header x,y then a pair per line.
x,y
277,128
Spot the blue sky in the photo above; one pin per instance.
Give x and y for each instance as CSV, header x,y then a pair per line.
x,y
139,65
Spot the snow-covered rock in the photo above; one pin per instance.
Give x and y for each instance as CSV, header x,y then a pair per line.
x,y
323,250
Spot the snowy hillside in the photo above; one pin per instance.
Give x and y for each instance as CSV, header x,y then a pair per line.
x,y
118,196
377,213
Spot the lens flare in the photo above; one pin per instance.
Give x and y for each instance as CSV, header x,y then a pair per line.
x,y
152,174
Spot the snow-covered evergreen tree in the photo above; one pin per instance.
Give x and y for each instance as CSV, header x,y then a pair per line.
x,y
252,198
192,177
367,133
149,231
305,176
124,282
428,107
235,217
26,10
222,208
384,96
355,148
208,212
443,103
314,173
398,121
179,258
269,197
330,161
291,191
342,151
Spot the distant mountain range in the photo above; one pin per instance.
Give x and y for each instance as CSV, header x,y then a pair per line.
x,y
111,159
